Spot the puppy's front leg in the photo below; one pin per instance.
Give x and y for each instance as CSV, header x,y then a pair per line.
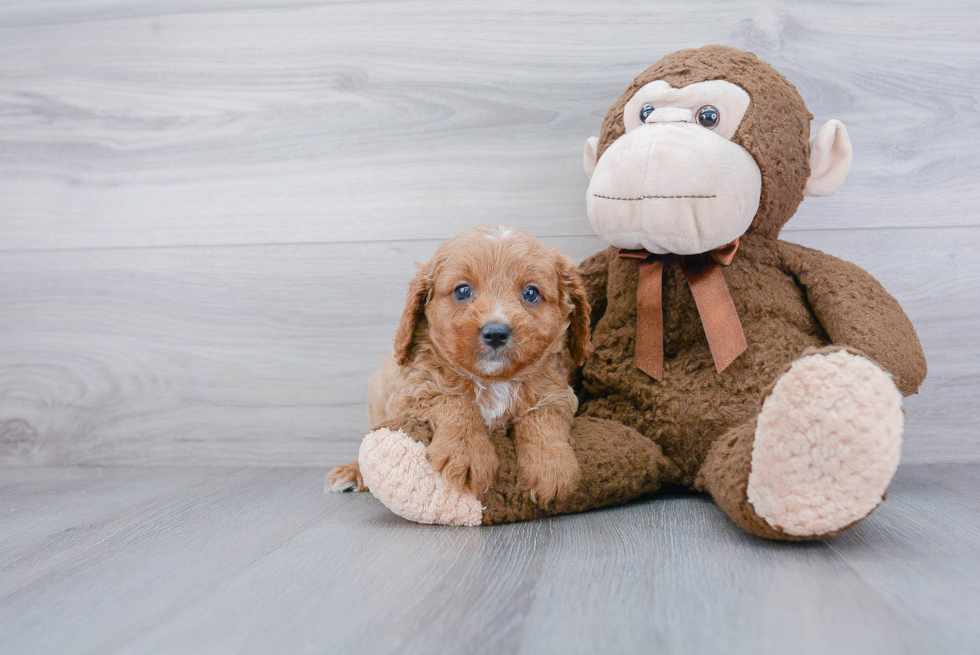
x,y
461,448
546,465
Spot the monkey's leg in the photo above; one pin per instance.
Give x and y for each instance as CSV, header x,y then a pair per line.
x,y
617,464
819,456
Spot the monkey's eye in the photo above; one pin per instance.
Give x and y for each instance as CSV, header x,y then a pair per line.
x,y
708,116
645,112
463,292
531,294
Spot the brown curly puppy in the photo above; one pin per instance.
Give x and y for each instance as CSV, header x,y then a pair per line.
x,y
494,323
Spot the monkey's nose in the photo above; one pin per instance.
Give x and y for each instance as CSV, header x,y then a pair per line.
x,y
671,115
495,335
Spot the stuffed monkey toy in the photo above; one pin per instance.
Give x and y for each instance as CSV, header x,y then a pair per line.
x,y
763,373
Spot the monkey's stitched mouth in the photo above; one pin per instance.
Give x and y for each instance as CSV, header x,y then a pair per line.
x,y
649,197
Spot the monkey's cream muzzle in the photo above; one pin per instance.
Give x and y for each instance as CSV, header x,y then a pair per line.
x,y
672,186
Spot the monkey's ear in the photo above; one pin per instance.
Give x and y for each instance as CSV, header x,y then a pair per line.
x,y
590,158
830,159
572,287
418,296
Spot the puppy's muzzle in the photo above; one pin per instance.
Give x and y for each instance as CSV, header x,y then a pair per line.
x,y
495,335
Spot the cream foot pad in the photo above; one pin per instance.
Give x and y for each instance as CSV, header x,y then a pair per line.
x,y
396,471
826,445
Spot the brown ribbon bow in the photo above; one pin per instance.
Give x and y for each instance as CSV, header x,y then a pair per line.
x,y
718,315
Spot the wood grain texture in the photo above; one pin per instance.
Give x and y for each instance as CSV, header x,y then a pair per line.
x,y
917,545
209,210
175,123
257,560
261,355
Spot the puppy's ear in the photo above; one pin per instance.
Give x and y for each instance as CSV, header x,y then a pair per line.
x,y
418,295
573,290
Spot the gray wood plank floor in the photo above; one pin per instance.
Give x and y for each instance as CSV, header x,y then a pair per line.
x,y
258,560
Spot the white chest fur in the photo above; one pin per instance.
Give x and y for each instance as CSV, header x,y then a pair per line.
x,y
495,399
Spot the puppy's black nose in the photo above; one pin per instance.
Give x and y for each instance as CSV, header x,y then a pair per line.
x,y
495,334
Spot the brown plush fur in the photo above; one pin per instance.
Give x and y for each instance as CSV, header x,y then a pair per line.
x,y
617,464
695,404
443,372
696,427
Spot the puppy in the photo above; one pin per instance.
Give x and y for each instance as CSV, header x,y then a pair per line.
x,y
494,324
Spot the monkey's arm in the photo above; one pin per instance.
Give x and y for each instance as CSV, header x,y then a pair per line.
x,y
855,310
595,275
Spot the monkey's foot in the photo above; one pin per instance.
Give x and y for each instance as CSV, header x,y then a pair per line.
x,y
827,444
395,469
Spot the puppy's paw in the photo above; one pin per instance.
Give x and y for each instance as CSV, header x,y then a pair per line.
x,y
548,473
469,464
344,478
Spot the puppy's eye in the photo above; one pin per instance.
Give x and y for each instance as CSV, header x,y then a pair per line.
x,y
708,116
463,292
645,112
531,294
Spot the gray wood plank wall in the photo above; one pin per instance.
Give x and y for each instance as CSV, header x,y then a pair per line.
x,y
209,210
